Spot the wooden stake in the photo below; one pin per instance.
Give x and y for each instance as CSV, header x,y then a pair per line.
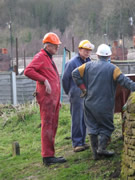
x,y
15,149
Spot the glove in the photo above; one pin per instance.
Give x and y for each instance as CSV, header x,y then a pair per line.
x,y
47,86
84,92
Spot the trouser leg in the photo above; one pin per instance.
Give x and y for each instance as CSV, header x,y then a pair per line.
x,y
78,129
94,145
49,123
102,145
83,130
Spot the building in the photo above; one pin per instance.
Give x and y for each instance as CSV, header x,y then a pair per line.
x,y
4,60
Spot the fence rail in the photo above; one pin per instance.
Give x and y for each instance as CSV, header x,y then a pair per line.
x,y
19,89
15,89
127,66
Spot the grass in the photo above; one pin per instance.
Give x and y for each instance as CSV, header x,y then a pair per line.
x,y
22,124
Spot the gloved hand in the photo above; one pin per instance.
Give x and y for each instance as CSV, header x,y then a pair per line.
x,y
47,86
84,92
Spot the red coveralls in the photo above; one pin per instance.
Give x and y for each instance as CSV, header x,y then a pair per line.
x,y
40,69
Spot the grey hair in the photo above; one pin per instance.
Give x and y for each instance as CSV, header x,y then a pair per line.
x,y
104,57
46,45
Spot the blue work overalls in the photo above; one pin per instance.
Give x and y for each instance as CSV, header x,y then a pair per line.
x,y
78,128
100,79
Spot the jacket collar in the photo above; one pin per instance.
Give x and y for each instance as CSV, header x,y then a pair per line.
x,y
48,53
82,60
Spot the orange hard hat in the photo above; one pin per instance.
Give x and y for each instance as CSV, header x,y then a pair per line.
x,y
51,38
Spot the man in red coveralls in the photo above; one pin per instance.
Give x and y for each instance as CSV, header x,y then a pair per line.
x,y
43,70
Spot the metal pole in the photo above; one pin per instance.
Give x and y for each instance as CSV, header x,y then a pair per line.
x,y
63,66
105,38
11,41
24,60
133,36
16,56
106,27
14,90
123,47
69,52
73,49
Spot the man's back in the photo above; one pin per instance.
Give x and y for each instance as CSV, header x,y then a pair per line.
x,y
100,85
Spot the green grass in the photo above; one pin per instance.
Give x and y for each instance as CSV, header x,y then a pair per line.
x,y
22,124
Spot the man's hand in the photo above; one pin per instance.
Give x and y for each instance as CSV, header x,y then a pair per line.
x,y
60,105
47,86
84,92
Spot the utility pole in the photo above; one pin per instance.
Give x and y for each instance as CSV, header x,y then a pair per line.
x,y
17,56
24,60
10,4
73,44
11,41
105,39
134,36
131,20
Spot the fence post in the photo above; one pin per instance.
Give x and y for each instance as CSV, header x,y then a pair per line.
x,y
63,66
14,90
15,149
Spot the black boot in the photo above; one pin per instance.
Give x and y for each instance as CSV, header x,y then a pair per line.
x,y
94,145
52,160
102,145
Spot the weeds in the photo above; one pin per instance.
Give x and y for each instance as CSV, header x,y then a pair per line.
x,y
22,125
16,114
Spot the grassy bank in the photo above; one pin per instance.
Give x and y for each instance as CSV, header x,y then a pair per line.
x,y
22,124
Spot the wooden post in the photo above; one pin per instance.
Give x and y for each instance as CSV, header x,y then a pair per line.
x,y
24,60
73,44
15,149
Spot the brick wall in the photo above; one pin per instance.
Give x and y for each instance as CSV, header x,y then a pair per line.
x,y
4,62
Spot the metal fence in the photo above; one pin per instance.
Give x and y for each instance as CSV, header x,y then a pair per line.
x,y
19,89
15,89
127,67
6,87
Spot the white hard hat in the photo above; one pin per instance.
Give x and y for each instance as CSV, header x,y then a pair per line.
x,y
104,50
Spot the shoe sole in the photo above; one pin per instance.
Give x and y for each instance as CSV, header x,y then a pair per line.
x,y
79,150
48,164
53,163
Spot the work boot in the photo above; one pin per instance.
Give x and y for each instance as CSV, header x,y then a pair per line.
x,y
86,146
52,160
102,145
94,145
79,148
